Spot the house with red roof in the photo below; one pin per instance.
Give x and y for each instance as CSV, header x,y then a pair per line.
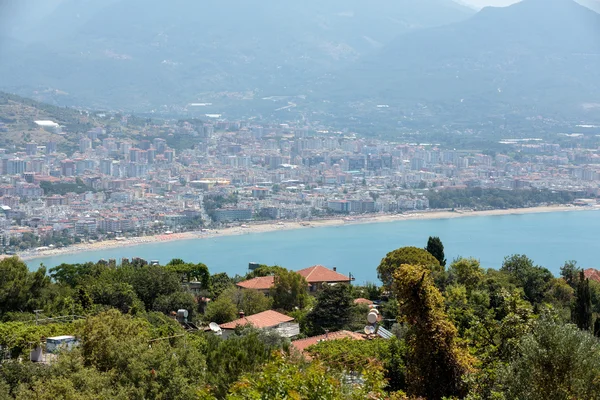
x,y
270,320
316,276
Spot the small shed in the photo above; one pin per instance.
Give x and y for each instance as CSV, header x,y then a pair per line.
x,y
57,343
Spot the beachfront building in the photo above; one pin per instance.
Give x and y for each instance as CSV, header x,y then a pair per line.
x,y
233,214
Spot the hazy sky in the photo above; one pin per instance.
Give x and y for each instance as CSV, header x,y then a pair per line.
x,y
483,3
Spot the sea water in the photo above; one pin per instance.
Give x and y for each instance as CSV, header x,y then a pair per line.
x,y
548,238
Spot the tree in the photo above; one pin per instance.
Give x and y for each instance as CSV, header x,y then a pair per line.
x,y
433,355
467,272
247,300
357,356
436,249
221,310
190,271
219,283
20,290
285,378
289,291
582,309
405,255
243,352
570,273
534,280
556,361
176,301
153,281
333,310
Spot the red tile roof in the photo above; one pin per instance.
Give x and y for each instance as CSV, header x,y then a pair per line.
x,y
318,274
260,283
265,319
303,344
361,300
592,274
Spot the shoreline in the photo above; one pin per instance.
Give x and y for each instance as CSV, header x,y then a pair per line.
x,y
272,226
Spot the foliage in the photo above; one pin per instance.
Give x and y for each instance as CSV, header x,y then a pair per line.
x,y
404,255
17,337
570,273
582,308
533,279
265,270
479,198
20,290
289,291
241,353
62,188
436,249
189,271
333,310
434,354
467,272
218,283
221,310
358,356
556,361
285,379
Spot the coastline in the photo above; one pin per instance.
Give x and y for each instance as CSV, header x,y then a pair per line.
x,y
272,226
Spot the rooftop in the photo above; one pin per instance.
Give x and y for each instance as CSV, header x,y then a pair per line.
x,y
318,274
265,319
302,344
259,283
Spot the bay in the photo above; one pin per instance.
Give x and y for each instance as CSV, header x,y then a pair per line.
x,y
548,238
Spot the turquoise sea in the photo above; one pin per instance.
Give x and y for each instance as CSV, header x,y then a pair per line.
x,y
548,238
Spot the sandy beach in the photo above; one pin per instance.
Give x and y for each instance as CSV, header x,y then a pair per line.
x,y
261,227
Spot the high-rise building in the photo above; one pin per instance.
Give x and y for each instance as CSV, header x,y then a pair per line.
x,y
85,144
31,148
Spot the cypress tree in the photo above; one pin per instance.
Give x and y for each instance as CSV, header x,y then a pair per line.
x,y
582,310
436,249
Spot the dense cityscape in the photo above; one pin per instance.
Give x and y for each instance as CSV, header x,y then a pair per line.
x,y
114,185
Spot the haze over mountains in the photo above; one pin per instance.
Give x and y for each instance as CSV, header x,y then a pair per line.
x,y
134,53
538,54
141,54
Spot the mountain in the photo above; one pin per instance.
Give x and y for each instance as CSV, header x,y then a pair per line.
x,y
591,4
536,55
140,54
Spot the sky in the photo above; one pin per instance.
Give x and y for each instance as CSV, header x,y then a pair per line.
x,y
484,3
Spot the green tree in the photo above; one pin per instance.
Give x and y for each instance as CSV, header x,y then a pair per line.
x,y
570,273
176,301
221,310
333,310
405,255
285,378
243,352
289,291
21,290
247,300
533,279
190,271
347,355
467,272
436,249
582,308
219,283
556,361
434,354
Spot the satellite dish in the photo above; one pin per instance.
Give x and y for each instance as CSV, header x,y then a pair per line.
x,y
215,328
372,317
369,330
